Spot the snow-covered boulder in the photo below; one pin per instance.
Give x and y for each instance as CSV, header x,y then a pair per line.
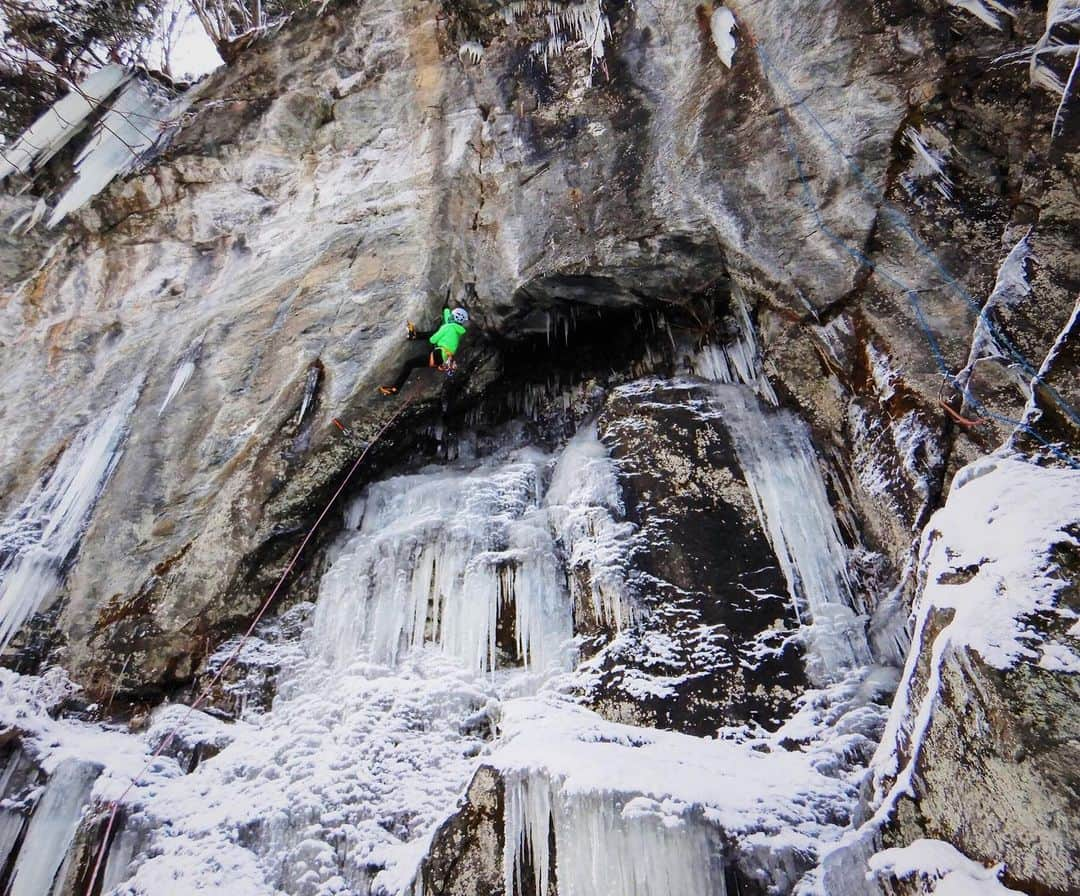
x,y
984,740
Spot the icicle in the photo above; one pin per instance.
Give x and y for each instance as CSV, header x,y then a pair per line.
x,y
311,386
43,534
25,223
1010,288
183,372
788,491
121,855
1060,15
471,51
929,163
738,361
984,10
605,843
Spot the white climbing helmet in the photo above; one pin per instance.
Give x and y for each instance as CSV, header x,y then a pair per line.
x,y
460,315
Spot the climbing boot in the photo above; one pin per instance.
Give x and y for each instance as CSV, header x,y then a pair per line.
x,y
388,390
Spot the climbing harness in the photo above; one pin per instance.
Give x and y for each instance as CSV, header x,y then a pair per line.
x,y
114,806
910,292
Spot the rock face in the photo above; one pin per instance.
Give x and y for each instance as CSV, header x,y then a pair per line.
x,y
719,648
888,214
344,175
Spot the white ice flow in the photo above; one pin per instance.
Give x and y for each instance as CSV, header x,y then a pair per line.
x,y
41,536
443,557
584,505
782,471
52,131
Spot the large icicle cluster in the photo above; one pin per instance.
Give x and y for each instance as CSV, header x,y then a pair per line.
x,y
606,843
138,114
52,829
791,500
585,22
138,119
454,555
41,536
53,130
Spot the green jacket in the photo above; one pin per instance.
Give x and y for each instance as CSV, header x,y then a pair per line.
x,y
448,336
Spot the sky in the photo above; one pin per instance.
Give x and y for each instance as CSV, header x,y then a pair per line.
x,y
193,53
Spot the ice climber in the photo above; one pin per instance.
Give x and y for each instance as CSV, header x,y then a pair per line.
x,y
446,340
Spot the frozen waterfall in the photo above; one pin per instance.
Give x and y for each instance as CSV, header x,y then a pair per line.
x,y
40,537
782,471
446,598
447,557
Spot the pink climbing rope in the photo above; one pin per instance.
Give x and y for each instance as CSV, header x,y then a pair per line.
x,y
114,806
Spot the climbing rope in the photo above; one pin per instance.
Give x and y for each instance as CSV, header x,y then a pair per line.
x,y
909,291
114,806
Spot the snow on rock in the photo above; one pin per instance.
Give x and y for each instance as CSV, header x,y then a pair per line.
x,y
939,869
722,24
646,812
985,558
